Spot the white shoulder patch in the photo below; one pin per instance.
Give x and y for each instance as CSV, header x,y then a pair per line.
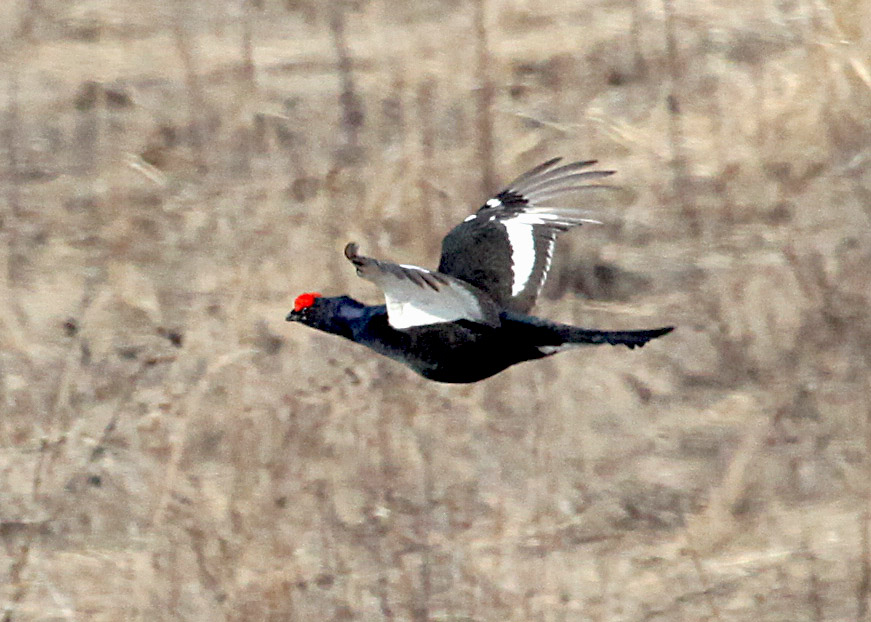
x,y
417,296
410,305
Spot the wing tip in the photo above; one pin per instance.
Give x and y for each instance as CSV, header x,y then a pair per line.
x,y
358,261
351,250
351,253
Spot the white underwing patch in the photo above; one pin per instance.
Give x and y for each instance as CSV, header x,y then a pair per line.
x,y
548,259
521,228
522,244
404,314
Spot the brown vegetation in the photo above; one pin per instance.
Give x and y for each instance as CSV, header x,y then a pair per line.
x,y
174,173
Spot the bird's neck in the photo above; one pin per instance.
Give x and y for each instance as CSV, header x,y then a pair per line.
x,y
348,318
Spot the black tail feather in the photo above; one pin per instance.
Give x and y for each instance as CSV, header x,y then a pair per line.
x,y
628,338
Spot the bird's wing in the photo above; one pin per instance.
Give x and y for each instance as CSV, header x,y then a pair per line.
x,y
418,297
505,248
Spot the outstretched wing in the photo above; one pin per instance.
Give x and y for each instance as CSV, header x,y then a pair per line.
x,y
505,248
418,297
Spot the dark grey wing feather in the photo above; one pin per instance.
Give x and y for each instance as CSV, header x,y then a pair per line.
x,y
535,171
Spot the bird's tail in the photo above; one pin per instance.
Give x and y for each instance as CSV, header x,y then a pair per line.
x,y
629,338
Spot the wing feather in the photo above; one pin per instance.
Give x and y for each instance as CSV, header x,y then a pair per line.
x,y
522,184
536,171
505,249
567,181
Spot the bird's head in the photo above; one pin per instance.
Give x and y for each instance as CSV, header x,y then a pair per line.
x,y
307,308
332,315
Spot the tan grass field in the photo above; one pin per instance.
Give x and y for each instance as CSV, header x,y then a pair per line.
x,y
175,173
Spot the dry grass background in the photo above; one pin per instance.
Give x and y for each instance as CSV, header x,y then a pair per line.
x,y
174,173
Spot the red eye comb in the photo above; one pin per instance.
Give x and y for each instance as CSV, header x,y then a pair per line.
x,y
304,301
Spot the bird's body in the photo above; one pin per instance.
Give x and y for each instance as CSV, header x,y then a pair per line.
x,y
461,351
469,320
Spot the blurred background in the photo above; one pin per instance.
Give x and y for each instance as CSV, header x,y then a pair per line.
x,y
175,173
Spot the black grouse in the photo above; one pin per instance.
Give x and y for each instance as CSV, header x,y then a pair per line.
x,y
469,320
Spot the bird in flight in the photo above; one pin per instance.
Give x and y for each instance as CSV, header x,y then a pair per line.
x,y
470,319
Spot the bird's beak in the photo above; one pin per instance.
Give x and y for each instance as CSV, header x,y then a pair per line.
x,y
291,317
